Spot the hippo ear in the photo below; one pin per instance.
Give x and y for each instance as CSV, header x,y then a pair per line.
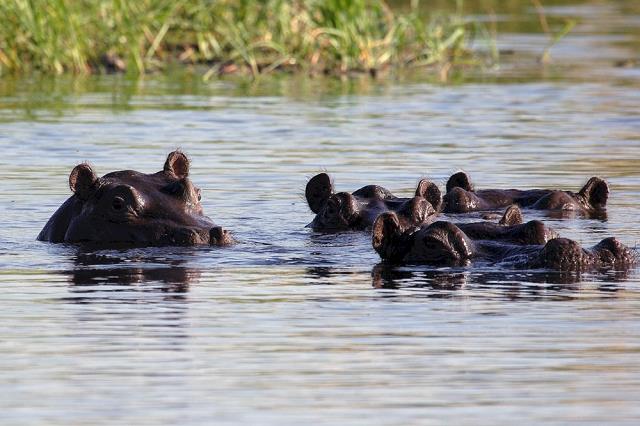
x,y
512,216
417,210
385,232
459,180
81,180
318,191
596,192
430,191
177,164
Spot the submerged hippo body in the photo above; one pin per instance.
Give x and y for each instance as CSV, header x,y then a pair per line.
x,y
444,243
128,207
462,198
357,211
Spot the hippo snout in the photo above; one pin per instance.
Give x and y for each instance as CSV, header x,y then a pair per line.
x,y
188,236
219,236
215,236
339,212
445,243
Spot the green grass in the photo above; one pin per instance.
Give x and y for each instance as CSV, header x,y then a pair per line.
x,y
138,36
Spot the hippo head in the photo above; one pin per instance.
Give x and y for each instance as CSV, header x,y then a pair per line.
x,y
340,212
440,243
358,210
128,207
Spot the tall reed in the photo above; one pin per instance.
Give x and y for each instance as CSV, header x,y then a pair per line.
x,y
315,36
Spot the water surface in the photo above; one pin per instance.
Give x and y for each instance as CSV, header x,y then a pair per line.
x,y
291,326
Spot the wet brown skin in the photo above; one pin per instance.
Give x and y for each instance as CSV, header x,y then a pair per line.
x,y
509,229
462,198
345,211
133,208
444,243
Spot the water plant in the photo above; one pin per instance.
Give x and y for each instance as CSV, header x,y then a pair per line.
x,y
137,36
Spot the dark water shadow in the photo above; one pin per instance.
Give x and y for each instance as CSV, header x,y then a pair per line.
x,y
392,277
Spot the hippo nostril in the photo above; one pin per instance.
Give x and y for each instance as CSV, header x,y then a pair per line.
x,y
218,236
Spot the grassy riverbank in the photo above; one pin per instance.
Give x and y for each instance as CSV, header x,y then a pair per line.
x,y
312,36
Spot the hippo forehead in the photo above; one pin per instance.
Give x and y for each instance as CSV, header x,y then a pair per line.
x,y
148,185
138,180
158,191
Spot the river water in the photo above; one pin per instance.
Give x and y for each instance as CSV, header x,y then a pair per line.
x,y
290,326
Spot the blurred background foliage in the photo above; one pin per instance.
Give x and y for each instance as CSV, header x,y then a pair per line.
x,y
317,36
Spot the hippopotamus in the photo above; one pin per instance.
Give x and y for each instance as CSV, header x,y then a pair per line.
x,y
444,243
129,207
390,239
357,210
462,198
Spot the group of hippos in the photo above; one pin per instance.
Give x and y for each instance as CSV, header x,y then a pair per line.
x,y
163,208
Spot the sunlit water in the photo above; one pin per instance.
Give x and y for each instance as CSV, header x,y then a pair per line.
x,y
291,326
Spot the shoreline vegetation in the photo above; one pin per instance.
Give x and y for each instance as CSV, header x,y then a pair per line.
x,y
329,37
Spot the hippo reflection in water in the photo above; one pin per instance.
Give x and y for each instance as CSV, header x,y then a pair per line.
x,y
462,198
128,207
357,210
444,243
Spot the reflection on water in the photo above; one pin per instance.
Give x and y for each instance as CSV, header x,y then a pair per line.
x,y
92,272
511,284
572,214
292,326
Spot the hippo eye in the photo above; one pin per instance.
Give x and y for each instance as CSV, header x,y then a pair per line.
x,y
117,203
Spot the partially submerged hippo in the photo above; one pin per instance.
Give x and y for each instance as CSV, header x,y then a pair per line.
x,y
509,229
356,211
444,243
462,198
128,207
